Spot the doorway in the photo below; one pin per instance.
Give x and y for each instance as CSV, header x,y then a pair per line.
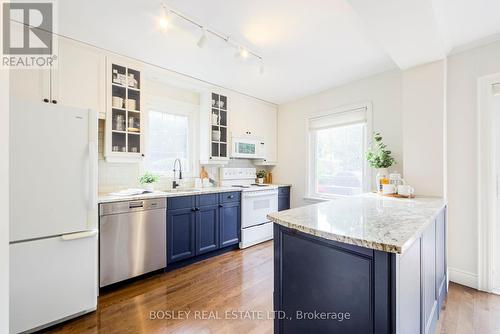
x,y
489,183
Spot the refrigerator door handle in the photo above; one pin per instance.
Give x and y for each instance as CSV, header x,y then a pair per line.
x,y
92,176
78,235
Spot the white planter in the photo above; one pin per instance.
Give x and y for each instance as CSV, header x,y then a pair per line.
x,y
148,187
260,180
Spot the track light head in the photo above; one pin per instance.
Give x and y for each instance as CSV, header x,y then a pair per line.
x,y
203,39
243,53
165,18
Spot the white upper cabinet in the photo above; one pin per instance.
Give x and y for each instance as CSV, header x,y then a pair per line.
x,y
30,84
79,80
253,118
76,81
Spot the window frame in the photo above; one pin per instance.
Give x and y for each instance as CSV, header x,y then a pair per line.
x,y
311,176
175,107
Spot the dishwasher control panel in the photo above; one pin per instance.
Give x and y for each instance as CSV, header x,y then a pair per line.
x,y
131,206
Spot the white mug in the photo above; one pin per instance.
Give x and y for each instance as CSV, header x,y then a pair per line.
x,y
198,183
405,190
388,189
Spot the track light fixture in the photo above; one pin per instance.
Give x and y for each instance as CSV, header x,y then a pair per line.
x,y
243,52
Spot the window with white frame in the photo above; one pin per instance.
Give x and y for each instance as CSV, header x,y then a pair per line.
x,y
338,142
170,136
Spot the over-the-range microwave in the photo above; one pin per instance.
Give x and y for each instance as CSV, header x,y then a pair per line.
x,y
249,148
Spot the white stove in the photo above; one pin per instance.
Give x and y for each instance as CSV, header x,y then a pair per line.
x,y
257,201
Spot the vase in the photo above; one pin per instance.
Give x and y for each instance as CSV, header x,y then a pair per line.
x,y
382,173
260,180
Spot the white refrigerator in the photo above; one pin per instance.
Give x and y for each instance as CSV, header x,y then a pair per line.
x,y
53,214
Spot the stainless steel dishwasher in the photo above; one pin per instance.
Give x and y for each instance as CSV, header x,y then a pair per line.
x,y
133,239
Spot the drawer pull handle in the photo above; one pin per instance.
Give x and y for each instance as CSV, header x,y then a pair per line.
x,y
134,205
231,196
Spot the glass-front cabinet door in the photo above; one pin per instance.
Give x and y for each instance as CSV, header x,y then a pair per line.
x,y
124,120
219,127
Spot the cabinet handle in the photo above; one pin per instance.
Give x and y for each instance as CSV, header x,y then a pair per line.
x,y
231,196
197,209
46,100
54,101
221,206
193,209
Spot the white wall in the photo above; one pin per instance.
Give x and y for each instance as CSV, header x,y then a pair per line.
x,y
4,201
243,110
423,100
464,69
383,90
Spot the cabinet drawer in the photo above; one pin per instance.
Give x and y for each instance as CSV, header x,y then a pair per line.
x,y
183,202
233,196
284,191
208,199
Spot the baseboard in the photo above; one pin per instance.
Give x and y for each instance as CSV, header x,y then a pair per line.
x,y
463,277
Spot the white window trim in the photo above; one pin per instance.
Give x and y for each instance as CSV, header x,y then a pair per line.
x,y
310,149
175,107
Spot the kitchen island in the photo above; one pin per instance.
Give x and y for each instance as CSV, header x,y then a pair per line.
x,y
364,264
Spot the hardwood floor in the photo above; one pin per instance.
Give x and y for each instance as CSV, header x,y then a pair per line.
x,y
240,280
468,311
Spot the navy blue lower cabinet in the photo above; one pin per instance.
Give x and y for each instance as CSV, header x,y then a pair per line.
x,y
329,287
283,198
230,223
180,234
207,229
201,224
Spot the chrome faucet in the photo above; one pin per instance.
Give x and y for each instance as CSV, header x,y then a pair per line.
x,y
174,183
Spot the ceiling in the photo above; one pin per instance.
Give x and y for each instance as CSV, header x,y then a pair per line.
x,y
307,45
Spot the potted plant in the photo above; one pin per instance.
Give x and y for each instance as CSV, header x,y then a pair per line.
x,y
380,158
147,180
261,174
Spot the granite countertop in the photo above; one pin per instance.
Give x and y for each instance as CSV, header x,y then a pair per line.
x,y
107,198
368,220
